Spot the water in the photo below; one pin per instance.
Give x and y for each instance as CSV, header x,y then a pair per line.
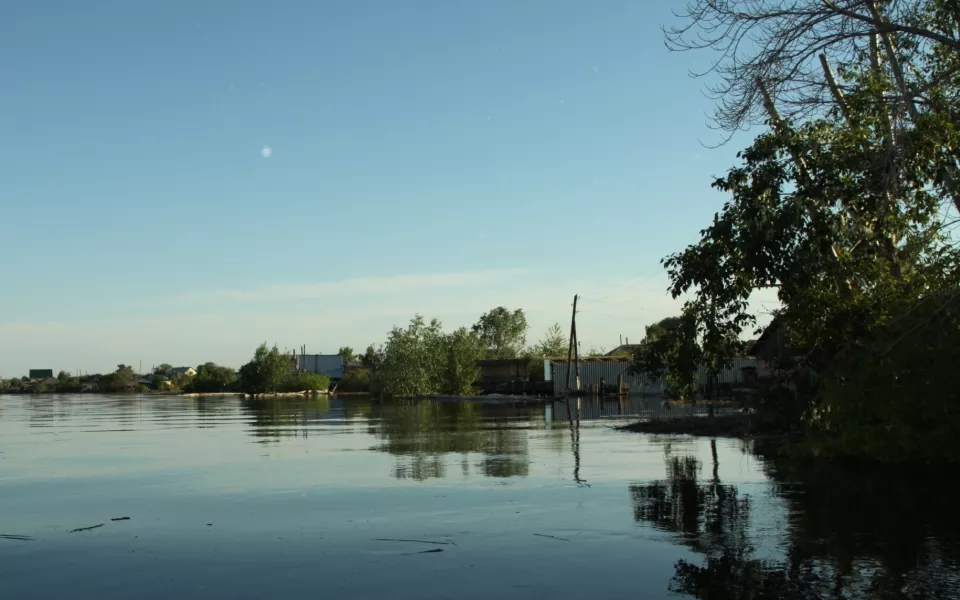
x,y
235,499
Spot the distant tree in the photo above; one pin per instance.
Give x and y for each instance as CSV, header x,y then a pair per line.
x,y
504,333
124,379
370,358
347,353
67,383
309,382
553,343
211,377
162,369
670,350
463,348
412,361
159,383
267,373
358,381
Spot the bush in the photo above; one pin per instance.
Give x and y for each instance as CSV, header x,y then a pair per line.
x,y
358,381
309,382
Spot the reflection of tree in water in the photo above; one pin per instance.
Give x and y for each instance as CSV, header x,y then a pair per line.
x,y
274,418
852,533
422,433
705,514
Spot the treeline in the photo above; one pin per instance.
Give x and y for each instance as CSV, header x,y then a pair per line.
x,y
423,359
846,206
268,372
124,379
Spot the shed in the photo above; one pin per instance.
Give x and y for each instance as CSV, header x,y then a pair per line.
x,y
331,365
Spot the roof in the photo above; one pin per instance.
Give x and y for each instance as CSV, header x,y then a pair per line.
x,y
596,359
631,348
775,324
179,370
491,362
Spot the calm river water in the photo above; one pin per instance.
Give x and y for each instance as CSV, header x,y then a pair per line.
x,y
229,498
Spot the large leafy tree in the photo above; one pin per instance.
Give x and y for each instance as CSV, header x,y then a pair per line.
x,y
670,350
421,360
463,348
503,332
846,216
411,361
269,371
347,353
212,377
124,379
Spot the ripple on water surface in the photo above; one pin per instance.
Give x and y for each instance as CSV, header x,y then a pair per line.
x,y
230,498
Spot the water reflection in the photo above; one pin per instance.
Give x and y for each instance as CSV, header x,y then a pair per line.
x,y
423,434
851,533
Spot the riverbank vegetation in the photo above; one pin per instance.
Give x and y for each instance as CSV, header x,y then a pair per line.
x,y
846,207
422,359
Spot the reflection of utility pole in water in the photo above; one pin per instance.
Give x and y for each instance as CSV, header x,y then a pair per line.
x,y
575,440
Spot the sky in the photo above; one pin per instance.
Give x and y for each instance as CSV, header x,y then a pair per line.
x,y
182,180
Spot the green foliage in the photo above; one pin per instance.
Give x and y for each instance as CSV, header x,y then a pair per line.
x,y
124,379
370,358
180,382
504,333
348,354
162,369
308,382
211,377
66,383
159,383
554,343
463,348
267,373
670,350
843,215
412,361
357,381
422,360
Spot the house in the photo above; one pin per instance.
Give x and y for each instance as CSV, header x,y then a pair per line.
x,y
623,350
188,371
769,347
41,373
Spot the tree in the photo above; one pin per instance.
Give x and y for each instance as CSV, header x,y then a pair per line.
x,y
124,379
553,343
423,360
211,377
347,353
370,358
504,333
162,369
67,383
309,382
843,215
463,348
412,361
670,350
777,53
267,373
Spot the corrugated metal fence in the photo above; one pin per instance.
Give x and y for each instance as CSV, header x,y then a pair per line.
x,y
330,365
591,372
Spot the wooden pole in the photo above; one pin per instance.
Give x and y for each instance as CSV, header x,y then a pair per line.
x,y
576,354
573,329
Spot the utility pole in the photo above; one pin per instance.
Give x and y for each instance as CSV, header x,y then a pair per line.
x,y
573,335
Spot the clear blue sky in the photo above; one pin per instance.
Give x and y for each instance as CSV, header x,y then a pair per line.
x,y
183,179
